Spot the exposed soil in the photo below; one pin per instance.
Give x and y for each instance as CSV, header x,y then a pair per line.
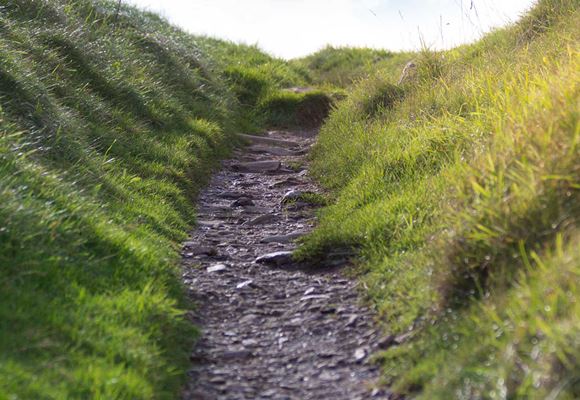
x,y
271,328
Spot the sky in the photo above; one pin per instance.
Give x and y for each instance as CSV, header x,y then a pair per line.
x,y
295,28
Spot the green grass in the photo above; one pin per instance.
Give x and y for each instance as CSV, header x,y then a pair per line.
x,y
343,66
286,109
460,191
108,129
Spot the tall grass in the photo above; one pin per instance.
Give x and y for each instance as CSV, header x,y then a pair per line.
x,y
460,191
109,126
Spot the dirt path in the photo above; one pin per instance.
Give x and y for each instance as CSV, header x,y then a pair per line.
x,y
271,329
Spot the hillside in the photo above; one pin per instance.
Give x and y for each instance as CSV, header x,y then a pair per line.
x,y
459,192
343,66
109,126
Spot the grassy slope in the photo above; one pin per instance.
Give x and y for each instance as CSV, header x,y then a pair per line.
x,y
343,66
461,192
108,128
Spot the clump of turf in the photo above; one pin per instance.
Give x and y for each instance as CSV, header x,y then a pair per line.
x,y
286,109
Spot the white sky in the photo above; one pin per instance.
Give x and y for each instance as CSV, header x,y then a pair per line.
x,y
294,28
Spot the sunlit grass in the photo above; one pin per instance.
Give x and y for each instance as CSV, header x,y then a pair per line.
x,y
108,129
461,194
343,66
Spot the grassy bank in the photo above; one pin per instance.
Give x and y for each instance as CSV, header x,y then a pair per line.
x,y
343,66
109,125
460,192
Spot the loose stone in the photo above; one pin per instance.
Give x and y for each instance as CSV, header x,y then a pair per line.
x,y
243,201
277,258
262,219
257,166
281,238
217,268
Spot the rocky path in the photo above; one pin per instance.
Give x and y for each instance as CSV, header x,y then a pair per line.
x,y
272,329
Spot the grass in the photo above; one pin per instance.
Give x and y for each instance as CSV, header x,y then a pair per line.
x,y
344,66
108,129
459,190
286,109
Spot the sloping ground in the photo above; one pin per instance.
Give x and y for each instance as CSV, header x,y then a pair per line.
x,y
344,66
460,191
109,125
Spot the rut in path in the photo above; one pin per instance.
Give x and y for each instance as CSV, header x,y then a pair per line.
x,y
272,329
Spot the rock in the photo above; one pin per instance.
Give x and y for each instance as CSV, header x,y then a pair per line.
x,y
244,284
269,141
249,342
360,354
242,201
287,182
248,318
276,151
231,195
328,310
329,377
278,258
236,354
351,320
404,337
309,291
386,342
282,238
256,210
257,166
196,250
197,395
314,297
292,195
217,268
210,223
262,219
217,380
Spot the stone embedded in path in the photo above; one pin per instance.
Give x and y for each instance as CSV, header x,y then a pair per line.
x,y
269,141
275,151
297,196
193,249
244,284
278,258
243,201
256,210
360,354
262,219
209,224
228,194
284,239
291,181
292,195
257,166
217,268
